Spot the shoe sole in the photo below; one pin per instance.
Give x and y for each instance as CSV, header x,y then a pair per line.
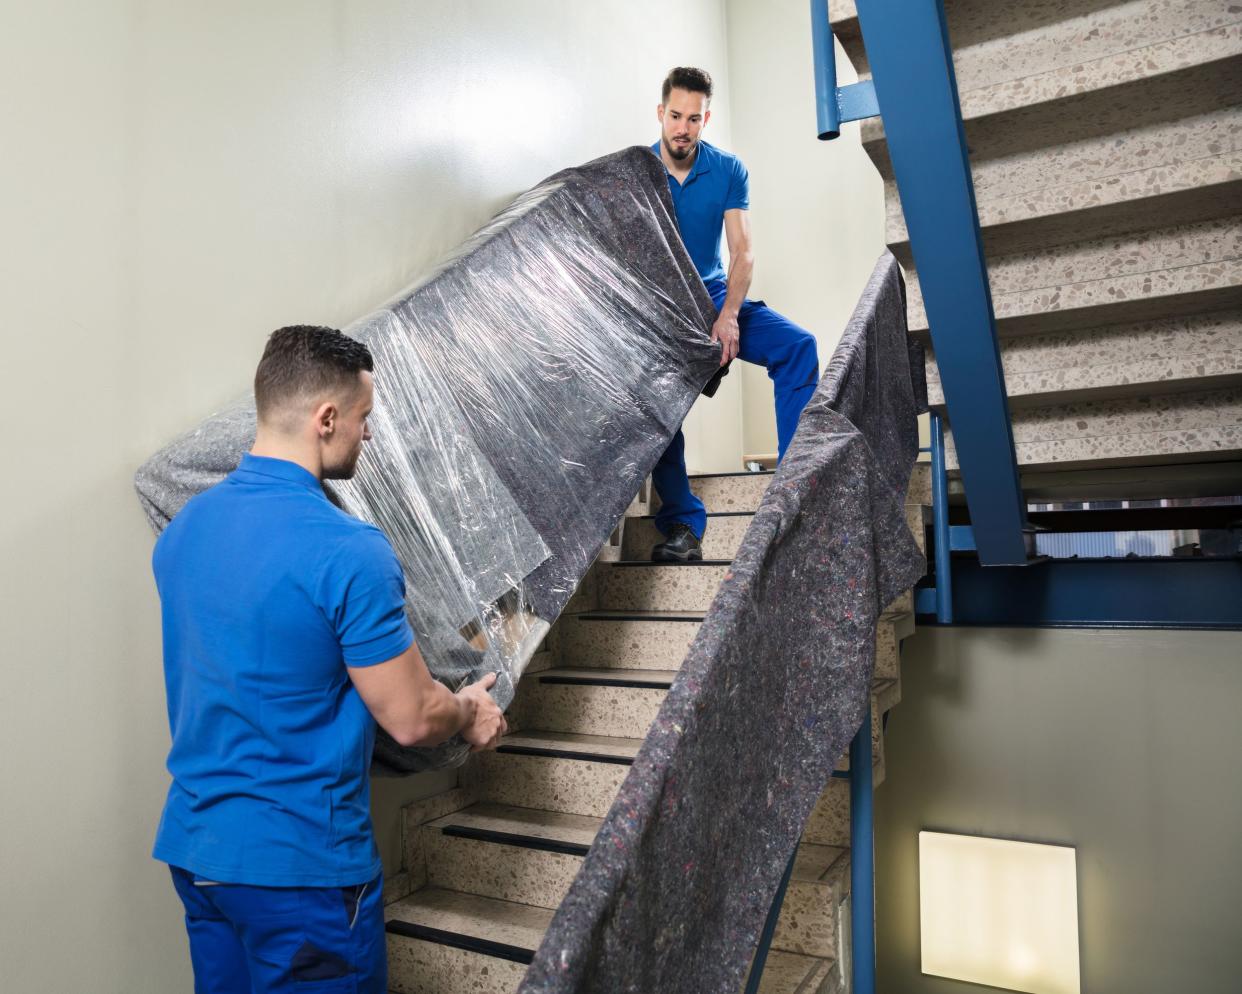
x,y
693,556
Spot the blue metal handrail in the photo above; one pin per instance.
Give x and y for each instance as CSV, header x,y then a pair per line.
x,y
912,67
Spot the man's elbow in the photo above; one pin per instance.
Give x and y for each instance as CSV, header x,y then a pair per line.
x,y
418,734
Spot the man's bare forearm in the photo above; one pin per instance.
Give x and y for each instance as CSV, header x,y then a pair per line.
x,y
741,269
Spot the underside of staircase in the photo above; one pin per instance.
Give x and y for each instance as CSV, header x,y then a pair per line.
x,y
1104,146
487,863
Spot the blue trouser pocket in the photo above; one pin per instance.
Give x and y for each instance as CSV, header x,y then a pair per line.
x,y
275,940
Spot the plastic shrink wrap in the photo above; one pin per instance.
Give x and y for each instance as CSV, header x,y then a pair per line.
x,y
524,390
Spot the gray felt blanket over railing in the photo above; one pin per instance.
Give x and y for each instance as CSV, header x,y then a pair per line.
x,y
675,889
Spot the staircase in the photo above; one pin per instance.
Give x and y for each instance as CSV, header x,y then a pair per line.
x,y
1106,148
487,863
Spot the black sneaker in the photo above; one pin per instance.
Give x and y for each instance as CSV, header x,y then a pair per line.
x,y
679,547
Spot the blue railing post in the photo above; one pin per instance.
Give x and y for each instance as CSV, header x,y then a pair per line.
x,y
827,111
940,524
769,929
862,860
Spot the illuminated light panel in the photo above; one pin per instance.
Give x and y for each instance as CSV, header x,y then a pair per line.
x,y
1000,913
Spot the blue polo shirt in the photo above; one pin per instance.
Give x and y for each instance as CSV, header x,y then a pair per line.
x,y
717,182
268,591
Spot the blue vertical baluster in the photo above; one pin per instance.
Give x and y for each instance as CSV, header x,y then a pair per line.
x,y
940,520
769,929
862,860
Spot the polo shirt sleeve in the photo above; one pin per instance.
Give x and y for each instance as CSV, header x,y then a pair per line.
x,y
738,196
365,593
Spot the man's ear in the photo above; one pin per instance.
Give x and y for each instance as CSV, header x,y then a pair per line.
x,y
326,415
660,113
707,116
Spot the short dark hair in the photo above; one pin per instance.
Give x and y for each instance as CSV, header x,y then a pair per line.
x,y
305,360
686,78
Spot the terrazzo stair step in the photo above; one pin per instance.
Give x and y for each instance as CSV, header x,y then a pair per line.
x,y
443,942
1196,353
1164,273
647,586
1161,78
999,42
690,587
1140,431
721,492
720,540
446,942
624,703
659,640
581,774
530,856
1019,213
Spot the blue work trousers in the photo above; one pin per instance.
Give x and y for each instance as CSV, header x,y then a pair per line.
x,y
788,353
277,940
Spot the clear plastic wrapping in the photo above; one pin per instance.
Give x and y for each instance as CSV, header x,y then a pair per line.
x,y
523,392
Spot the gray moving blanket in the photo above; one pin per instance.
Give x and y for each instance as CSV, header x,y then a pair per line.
x,y
676,887
523,392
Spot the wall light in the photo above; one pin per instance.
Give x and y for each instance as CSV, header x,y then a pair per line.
x,y
999,913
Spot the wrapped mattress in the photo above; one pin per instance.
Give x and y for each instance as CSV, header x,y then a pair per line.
x,y
524,390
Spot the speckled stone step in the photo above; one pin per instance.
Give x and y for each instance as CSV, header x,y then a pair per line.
x,y
1162,78
646,586
720,540
500,938
1196,353
521,854
581,774
726,491
660,640
1168,428
723,535
998,42
1167,272
1067,200
456,942
622,703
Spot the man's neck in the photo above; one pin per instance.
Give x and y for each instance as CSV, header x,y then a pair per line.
x,y
274,445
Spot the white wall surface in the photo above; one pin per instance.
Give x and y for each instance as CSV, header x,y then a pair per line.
x,y
817,208
178,179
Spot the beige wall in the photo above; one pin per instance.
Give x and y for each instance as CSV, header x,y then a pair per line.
x,y
1123,744
178,179
817,208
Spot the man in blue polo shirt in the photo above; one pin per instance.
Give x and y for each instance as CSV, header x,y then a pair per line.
x,y
284,634
711,193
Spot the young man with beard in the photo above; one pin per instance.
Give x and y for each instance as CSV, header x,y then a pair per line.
x,y
285,640
711,193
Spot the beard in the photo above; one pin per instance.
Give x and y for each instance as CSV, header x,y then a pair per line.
x,y
680,151
344,470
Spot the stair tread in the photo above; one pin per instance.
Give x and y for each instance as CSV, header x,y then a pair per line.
x,y
650,615
815,862
649,564
518,925
520,928
605,676
529,822
794,973
1101,74
573,742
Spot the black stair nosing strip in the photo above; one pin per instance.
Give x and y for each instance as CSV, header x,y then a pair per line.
x,y
515,839
742,472
552,753
673,562
628,682
470,943
710,514
637,616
